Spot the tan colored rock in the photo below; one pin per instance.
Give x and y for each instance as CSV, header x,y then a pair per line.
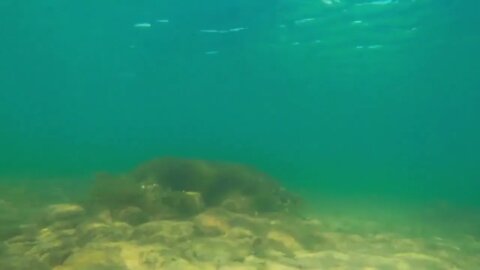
x,y
424,261
166,232
104,216
191,202
285,240
238,204
179,264
101,232
238,266
272,265
95,257
48,247
57,212
21,262
132,215
324,260
219,250
211,224
240,233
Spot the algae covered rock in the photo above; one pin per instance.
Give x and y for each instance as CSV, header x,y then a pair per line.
x,y
164,232
63,216
95,257
132,215
175,188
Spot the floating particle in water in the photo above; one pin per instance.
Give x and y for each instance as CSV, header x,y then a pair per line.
x,y
209,31
143,25
371,47
238,29
378,3
163,21
330,2
376,46
357,22
296,43
211,52
303,21
213,31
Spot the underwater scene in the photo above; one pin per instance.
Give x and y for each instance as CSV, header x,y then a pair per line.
x,y
240,135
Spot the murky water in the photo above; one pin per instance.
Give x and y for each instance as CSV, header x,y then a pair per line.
x,y
327,134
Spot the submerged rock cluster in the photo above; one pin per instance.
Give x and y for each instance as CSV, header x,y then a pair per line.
x,y
188,214
179,188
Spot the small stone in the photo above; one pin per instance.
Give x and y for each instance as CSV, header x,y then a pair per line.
x,y
168,232
184,203
100,232
132,215
95,257
218,250
285,240
58,212
238,204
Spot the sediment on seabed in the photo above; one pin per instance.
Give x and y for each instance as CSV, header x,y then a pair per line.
x,y
193,214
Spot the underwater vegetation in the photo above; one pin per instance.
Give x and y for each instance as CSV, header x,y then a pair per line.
x,y
173,213
172,187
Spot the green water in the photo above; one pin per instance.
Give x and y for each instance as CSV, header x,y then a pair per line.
x,y
342,101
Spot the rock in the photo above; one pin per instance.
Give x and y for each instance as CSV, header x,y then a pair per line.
x,y
210,224
185,203
53,247
22,262
182,264
217,250
240,233
101,232
166,232
323,259
63,216
190,185
238,204
143,257
423,261
272,265
132,215
104,216
283,242
47,247
60,212
101,257
238,266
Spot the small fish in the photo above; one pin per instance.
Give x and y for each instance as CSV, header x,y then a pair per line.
x,y
375,46
357,22
237,29
163,21
378,3
306,20
330,2
209,31
142,25
211,52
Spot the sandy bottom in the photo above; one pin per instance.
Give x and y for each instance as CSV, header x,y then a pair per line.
x,y
59,234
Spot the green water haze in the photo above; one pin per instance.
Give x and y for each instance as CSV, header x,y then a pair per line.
x,y
352,104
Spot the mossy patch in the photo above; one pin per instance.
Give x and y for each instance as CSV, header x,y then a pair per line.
x,y
173,188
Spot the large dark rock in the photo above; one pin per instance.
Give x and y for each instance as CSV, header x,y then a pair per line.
x,y
176,188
